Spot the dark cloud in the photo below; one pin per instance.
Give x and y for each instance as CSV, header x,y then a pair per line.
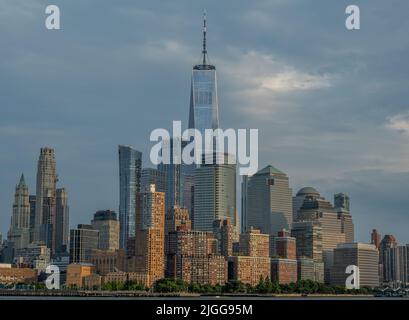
x,y
331,105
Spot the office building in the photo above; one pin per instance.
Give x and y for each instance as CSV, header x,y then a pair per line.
x,y
107,224
298,200
19,232
316,209
61,222
396,265
153,176
376,238
33,256
45,214
83,241
269,201
364,256
130,163
214,192
204,105
342,207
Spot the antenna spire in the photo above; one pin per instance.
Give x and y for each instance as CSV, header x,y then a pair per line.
x,y
204,51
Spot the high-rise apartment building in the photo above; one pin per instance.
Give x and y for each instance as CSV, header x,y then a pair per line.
x,y
45,214
107,224
253,261
150,234
192,258
62,222
19,232
83,241
130,163
214,192
364,256
226,234
269,201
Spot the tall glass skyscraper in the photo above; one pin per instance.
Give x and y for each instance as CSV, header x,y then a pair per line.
x,y
204,106
130,162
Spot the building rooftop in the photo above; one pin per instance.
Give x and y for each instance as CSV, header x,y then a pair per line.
x,y
307,191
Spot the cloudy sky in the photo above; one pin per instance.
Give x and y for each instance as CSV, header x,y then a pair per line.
x,y
331,105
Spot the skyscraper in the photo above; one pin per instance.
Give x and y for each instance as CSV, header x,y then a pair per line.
x,y
153,176
45,213
130,162
269,201
376,238
149,235
214,193
173,178
317,209
107,224
204,105
62,222
298,200
19,232
342,206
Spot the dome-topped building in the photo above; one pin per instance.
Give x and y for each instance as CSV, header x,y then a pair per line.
x,y
306,191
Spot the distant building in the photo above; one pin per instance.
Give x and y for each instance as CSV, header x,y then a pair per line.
x,y
364,256
192,258
214,191
308,235
285,246
83,240
321,211
253,261
19,232
45,214
298,200
107,224
268,201
150,237
396,265
33,256
62,222
342,207
153,176
283,271
388,241
376,238
253,243
130,166
173,176
11,275
226,235
76,272
248,269
109,261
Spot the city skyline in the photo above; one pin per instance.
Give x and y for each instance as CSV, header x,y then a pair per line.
x,y
88,165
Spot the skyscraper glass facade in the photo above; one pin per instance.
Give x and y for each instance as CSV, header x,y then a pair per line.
x,y
130,162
